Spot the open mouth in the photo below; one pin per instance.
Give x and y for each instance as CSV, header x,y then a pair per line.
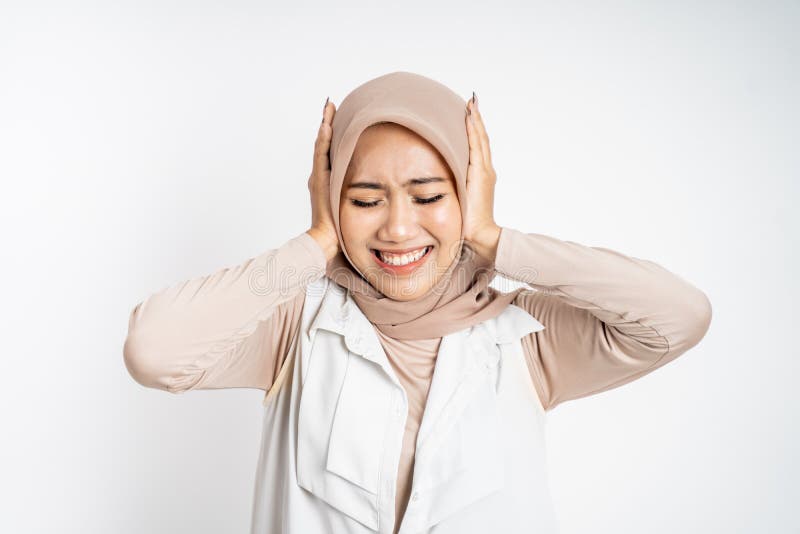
x,y
404,261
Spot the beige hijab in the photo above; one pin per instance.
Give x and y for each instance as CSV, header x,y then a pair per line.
x,y
462,297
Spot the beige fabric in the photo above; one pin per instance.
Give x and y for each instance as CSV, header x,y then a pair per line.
x,y
462,297
413,361
609,319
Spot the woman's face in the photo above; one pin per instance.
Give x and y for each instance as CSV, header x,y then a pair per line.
x,y
399,212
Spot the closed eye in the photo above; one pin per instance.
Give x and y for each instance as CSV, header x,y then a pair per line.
x,y
429,200
362,204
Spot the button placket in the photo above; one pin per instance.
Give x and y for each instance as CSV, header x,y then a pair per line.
x,y
399,405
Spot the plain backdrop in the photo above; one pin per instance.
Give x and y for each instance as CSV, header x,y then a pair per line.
x,y
147,142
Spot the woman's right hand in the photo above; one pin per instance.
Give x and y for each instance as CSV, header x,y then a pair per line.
x,y
322,227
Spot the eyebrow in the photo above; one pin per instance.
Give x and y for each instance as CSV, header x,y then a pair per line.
x,y
413,181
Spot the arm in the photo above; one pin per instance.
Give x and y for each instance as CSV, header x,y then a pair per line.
x,y
609,318
229,329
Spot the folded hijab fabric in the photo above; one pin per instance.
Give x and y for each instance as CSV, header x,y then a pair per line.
x,y
462,297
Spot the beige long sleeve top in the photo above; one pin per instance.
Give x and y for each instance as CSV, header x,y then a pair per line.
x,y
609,319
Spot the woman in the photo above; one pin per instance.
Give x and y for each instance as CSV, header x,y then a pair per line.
x,y
404,394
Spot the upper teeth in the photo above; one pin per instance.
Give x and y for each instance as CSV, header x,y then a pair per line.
x,y
402,259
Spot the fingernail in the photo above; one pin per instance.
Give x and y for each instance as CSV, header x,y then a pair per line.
x,y
475,99
324,108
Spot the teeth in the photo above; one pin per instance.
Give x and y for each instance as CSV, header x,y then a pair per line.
x,y
402,259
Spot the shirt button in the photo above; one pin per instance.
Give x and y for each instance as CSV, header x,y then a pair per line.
x,y
415,496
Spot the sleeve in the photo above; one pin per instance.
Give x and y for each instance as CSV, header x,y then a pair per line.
x,y
229,329
609,318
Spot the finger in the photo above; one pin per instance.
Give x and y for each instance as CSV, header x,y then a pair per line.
x,y
328,112
478,156
483,137
323,141
321,149
475,148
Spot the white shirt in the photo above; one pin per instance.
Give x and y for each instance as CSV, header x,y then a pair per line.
x,y
334,423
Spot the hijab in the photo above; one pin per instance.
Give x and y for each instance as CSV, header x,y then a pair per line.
x,y
461,297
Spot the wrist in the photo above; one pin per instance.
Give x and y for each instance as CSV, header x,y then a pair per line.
x,y
328,245
485,241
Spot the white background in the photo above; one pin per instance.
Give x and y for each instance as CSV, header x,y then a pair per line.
x,y
143,143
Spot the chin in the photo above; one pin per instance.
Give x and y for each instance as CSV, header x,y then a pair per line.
x,y
404,297
413,290
391,288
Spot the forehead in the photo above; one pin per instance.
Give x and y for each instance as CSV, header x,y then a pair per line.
x,y
388,150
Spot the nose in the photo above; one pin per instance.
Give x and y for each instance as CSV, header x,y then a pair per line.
x,y
400,223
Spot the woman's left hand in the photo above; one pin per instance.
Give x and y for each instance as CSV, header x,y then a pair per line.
x,y
480,230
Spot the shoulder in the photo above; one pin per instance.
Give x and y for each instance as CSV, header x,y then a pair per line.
x,y
316,290
514,322
322,292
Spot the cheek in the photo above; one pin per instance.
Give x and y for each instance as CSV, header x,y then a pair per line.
x,y
347,224
355,225
444,222
446,219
